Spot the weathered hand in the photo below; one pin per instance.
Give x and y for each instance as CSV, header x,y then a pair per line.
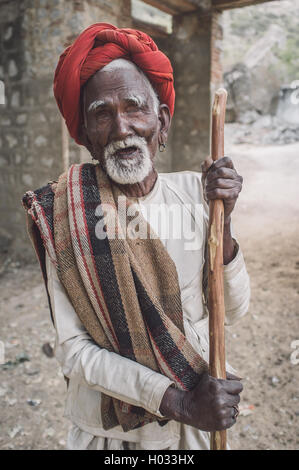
x,y
221,181
209,406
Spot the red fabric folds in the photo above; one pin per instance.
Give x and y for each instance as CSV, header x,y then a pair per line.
x,y
96,47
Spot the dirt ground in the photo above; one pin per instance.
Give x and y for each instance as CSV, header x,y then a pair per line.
x,y
266,223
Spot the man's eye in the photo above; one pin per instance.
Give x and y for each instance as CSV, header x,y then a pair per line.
x,y
102,114
133,107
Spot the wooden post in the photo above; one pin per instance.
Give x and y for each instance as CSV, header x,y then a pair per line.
x,y
65,145
215,274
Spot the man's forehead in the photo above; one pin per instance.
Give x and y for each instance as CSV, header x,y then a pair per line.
x,y
106,83
132,97
104,97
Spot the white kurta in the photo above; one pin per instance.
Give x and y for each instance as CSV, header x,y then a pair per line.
x,y
93,370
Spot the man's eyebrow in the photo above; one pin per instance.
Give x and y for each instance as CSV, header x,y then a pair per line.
x,y
132,98
95,105
137,99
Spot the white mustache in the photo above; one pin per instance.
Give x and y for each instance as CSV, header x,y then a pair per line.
x,y
133,141
128,171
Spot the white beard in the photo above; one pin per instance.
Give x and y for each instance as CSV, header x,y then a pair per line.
x,y
130,171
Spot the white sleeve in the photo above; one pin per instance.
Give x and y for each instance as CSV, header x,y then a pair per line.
x,y
236,289
98,368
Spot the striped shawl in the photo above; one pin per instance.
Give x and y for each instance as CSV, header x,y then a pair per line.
x,y
125,290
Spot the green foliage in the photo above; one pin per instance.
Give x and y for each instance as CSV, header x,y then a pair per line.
x,y
289,57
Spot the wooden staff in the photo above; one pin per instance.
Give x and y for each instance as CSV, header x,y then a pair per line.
x,y
215,274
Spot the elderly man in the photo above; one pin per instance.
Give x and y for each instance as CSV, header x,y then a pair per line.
x,y
129,306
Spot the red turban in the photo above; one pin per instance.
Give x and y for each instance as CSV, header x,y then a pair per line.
x,y
96,47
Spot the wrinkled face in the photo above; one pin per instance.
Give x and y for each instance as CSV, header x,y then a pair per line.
x,y
123,125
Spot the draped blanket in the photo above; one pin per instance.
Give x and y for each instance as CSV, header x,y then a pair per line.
x,y
124,289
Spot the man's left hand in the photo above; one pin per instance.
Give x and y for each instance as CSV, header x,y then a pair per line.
x,y
221,181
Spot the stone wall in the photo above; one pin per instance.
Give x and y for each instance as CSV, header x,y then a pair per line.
x,y
189,49
32,35
14,140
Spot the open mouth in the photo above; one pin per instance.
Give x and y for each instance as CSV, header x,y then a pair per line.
x,y
128,152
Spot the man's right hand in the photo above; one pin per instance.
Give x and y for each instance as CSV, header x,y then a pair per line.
x,y
209,406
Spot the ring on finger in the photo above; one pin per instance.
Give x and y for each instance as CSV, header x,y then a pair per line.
x,y
236,414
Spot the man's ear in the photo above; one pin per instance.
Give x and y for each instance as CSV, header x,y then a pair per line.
x,y
165,121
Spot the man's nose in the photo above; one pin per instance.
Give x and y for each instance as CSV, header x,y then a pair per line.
x,y
121,127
